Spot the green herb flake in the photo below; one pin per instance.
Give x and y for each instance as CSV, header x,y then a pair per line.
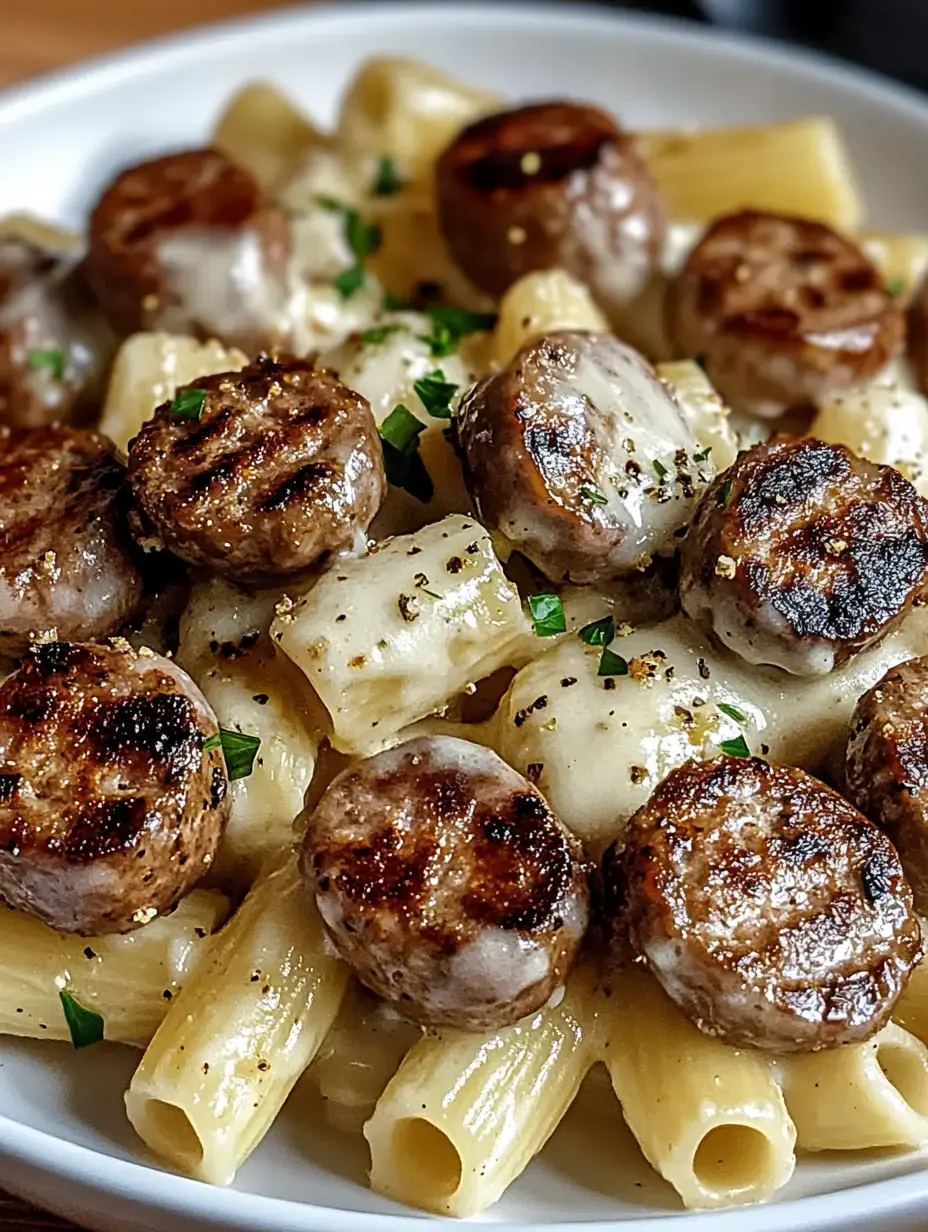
x,y
363,237
332,204
547,615
461,322
86,1026
598,632
704,456
387,181
735,748
188,403
436,394
393,303
724,494
895,286
239,750
441,341
379,334
611,664
733,713
349,281
660,469
594,495
399,438
54,361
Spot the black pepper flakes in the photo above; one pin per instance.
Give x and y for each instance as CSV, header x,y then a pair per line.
x,y
454,565
568,681
534,770
406,604
703,669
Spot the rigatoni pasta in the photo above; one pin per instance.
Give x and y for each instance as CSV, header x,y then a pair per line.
x,y
465,1113
228,1053
131,981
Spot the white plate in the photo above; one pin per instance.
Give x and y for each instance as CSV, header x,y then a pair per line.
x,y
64,1140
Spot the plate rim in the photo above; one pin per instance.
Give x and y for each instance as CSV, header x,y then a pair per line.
x,y
144,1182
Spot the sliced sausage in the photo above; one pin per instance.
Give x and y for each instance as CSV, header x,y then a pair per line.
x,y
447,883
801,554
772,912
262,472
113,789
917,332
189,244
67,561
553,184
582,457
55,348
887,766
782,311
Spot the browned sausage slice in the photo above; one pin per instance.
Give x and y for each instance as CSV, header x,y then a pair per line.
x,y
782,311
275,467
553,184
111,805
189,244
887,765
447,883
67,561
801,554
771,911
55,347
581,456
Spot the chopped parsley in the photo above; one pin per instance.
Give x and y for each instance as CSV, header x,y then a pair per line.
x,y
660,469
188,403
611,664
704,456
399,438
547,615
598,632
594,495
450,325
239,750
735,748
733,713
394,303
724,494
363,237
436,393
387,181
895,286
379,334
52,360
332,204
349,281
86,1026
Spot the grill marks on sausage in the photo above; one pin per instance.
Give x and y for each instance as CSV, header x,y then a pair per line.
x,y
770,910
886,769
437,854
111,805
282,468
836,546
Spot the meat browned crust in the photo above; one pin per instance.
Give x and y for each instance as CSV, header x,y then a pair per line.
x,y
801,554
113,788
447,883
281,467
771,911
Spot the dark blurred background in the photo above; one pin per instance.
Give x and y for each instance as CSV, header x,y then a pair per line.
x,y
888,35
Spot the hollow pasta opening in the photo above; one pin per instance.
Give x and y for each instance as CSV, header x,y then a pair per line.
x,y
732,1158
904,1069
425,1158
169,1132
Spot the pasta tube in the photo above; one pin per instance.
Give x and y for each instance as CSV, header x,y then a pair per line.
x,y
262,130
360,1055
799,167
390,637
911,1010
130,981
466,1113
540,303
868,1095
709,1118
902,258
234,1043
408,111
147,371
703,409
